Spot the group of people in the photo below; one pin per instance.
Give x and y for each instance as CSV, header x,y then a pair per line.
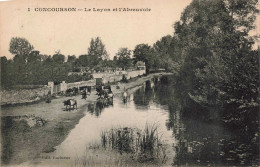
x,y
105,95
104,91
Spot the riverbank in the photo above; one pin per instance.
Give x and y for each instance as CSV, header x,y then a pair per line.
x,y
20,145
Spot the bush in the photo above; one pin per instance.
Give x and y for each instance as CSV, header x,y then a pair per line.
x,y
77,78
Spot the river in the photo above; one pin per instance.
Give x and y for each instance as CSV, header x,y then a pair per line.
x,y
191,141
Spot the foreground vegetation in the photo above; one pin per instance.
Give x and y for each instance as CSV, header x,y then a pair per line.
x,y
128,146
143,145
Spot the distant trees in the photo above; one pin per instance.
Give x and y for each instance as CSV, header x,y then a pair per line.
x,y
163,49
144,52
20,46
28,66
123,58
71,62
96,54
58,58
33,67
71,59
5,71
97,51
21,49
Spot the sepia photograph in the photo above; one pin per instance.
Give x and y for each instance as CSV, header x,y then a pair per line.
x,y
129,83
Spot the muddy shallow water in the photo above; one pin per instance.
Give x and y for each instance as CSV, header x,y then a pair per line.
x,y
190,141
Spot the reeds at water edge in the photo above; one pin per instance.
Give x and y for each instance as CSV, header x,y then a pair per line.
x,y
143,145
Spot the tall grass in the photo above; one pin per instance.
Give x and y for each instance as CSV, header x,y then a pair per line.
x,y
143,145
125,146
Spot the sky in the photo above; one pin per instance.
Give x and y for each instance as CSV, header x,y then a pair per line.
x,y
71,32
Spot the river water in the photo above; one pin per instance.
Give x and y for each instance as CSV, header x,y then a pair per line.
x,y
191,140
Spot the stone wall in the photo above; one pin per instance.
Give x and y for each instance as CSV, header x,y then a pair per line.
x,y
118,75
23,95
133,74
112,78
81,84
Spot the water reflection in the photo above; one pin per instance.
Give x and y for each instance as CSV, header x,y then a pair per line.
x,y
97,108
202,143
197,142
144,95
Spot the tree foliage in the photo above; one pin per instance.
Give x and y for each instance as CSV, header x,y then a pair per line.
x,y
217,66
97,50
29,67
145,53
123,58
20,46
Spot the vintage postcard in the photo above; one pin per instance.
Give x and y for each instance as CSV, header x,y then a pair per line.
x,y
129,83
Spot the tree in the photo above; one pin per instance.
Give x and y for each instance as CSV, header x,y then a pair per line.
x,y
71,59
162,50
58,58
58,67
33,57
111,64
33,73
20,46
87,61
71,62
4,74
97,51
143,52
123,58
218,68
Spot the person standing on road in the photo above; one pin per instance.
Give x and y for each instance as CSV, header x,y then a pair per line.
x,y
125,96
84,94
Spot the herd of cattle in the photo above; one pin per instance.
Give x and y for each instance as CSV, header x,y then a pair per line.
x,y
105,96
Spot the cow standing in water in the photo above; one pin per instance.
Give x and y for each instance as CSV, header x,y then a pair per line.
x,y
70,102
